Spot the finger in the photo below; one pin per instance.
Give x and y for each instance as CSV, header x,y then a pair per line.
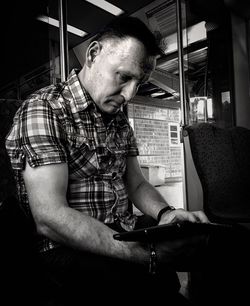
x,y
191,218
180,215
200,216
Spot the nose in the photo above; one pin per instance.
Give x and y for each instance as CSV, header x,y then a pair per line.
x,y
129,91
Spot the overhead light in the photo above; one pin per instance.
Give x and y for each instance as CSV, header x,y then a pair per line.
x,y
55,23
157,94
106,6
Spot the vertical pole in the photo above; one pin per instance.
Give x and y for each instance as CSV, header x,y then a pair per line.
x,y
184,119
206,86
64,58
184,115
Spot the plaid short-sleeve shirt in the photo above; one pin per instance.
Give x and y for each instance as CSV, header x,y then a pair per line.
x,y
61,124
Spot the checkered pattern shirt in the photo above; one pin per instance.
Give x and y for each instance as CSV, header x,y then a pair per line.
x,y
61,124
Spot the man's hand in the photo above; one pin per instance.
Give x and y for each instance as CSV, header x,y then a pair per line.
x,y
180,215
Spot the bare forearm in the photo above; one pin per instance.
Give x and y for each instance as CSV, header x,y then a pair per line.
x,y
148,199
72,228
144,196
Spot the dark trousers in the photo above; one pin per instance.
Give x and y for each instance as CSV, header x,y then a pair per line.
x,y
102,279
81,276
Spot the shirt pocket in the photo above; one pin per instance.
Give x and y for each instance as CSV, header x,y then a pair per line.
x,y
82,157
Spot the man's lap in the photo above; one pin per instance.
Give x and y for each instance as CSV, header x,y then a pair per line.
x,y
98,275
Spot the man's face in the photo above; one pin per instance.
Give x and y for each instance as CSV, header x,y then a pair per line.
x,y
116,70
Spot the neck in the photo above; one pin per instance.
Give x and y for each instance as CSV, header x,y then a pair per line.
x,y
82,78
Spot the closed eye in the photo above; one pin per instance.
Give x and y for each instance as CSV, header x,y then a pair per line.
x,y
123,78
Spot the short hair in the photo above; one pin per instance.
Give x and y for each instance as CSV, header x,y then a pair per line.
x,y
125,26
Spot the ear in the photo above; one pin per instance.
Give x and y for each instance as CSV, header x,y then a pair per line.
x,y
92,51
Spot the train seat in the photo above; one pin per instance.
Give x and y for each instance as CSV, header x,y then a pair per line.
x,y
221,159
217,181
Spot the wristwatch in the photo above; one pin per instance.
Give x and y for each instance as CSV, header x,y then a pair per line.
x,y
163,210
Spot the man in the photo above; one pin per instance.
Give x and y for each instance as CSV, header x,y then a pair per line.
x,y
74,157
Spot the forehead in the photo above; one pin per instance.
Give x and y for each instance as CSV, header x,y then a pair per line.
x,y
130,52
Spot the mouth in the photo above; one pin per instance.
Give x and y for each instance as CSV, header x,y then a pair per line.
x,y
116,101
116,105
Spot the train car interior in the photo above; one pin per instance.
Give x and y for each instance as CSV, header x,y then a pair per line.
x,y
191,119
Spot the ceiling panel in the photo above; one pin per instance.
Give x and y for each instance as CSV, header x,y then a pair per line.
x,y
82,15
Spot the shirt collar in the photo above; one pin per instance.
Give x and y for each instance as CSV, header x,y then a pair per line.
x,y
81,97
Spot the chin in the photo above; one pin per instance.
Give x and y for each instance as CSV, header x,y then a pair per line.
x,y
113,111
109,109
109,112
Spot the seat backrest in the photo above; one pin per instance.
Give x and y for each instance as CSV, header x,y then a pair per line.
x,y
221,158
241,146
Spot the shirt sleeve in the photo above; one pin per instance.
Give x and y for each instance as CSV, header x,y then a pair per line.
x,y
36,135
